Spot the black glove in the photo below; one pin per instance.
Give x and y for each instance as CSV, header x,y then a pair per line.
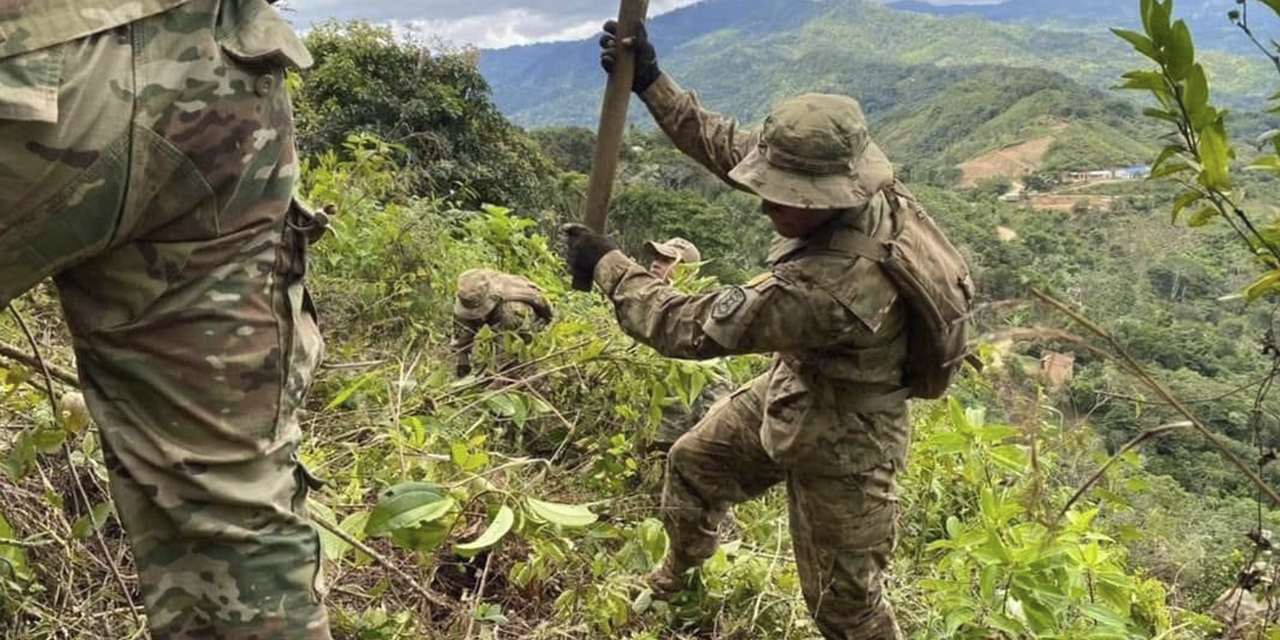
x,y
463,369
647,71
585,248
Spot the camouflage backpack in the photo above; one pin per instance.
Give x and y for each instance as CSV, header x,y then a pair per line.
x,y
933,278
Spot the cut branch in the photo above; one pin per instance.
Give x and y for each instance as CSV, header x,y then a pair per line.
x,y
20,356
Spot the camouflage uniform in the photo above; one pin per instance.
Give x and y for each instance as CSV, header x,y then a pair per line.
x,y
829,419
502,301
147,164
677,420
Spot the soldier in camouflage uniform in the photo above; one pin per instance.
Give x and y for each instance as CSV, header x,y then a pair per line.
x,y
147,164
502,301
829,420
677,420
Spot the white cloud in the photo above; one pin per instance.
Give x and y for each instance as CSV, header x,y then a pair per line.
x,y
484,23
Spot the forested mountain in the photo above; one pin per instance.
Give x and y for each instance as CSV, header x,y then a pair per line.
x,y
1207,18
743,55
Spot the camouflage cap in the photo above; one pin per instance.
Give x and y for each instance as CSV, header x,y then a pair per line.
x,y
675,249
815,153
476,297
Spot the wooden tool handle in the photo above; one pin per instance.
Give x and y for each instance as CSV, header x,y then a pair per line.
x,y
613,117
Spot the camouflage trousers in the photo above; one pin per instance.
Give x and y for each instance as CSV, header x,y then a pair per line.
x,y
149,170
843,524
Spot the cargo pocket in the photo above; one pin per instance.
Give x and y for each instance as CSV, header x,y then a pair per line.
x,y
793,418
31,81
304,346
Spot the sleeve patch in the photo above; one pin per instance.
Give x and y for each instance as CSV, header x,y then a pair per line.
x,y
728,303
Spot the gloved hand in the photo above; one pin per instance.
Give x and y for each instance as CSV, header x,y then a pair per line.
x,y
463,369
585,248
647,71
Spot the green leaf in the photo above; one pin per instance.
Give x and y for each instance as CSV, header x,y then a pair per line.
x,y
1167,154
1195,97
1155,19
92,521
1180,52
1202,217
1102,615
407,505
565,515
348,391
1161,114
1146,80
1215,156
354,525
1269,162
13,560
496,531
1263,286
502,405
1169,169
1143,44
1186,199
331,545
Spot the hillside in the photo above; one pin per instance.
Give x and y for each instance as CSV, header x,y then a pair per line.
x,y
743,55
1207,18
991,109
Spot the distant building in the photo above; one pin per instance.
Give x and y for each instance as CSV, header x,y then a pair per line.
x,y
1101,174
1057,369
1133,173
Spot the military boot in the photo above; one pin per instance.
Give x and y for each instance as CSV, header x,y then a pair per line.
x,y
668,579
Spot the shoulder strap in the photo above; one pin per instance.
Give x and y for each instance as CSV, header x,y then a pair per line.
x,y
858,243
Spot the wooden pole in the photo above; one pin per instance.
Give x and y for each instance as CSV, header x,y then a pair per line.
x,y
613,116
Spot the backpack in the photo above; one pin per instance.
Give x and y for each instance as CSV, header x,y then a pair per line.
x,y
933,278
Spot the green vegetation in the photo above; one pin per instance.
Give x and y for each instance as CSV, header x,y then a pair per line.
x,y
526,507
434,105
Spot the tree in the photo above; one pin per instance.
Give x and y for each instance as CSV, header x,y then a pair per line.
x,y
433,103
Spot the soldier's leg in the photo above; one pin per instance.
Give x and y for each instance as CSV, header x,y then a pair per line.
x,y
716,465
843,528
195,337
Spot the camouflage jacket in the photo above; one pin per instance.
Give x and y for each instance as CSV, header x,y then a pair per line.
x,y
833,319
518,317
29,25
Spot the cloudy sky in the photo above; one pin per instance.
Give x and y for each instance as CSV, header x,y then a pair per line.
x,y
483,23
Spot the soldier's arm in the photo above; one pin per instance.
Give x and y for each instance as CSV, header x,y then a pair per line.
x,y
713,140
774,315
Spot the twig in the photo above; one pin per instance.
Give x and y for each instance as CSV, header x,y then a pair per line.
x,y
62,375
478,595
1222,396
26,544
75,473
1155,386
431,596
1097,475
346,366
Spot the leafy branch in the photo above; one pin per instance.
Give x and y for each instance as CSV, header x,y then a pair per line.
x,y
1201,155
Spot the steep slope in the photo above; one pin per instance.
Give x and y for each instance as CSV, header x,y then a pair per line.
x,y
744,54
